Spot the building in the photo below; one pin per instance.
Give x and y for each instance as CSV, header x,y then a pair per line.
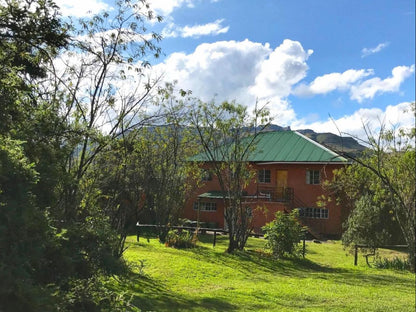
x,y
290,170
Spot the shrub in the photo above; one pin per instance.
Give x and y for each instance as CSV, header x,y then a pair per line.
x,y
396,263
180,239
284,234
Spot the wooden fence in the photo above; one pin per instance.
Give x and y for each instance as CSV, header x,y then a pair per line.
x,y
373,250
203,230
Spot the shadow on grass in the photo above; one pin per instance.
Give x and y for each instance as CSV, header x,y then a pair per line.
x,y
151,295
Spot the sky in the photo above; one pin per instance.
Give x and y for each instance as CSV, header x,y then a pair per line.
x,y
324,65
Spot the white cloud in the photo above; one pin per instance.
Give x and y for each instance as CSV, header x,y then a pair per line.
x,y
333,81
240,70
369,88
368,51
282,68
81,8
226,68
392,116
166,7
214,28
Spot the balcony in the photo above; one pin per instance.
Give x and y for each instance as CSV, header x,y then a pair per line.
x,y
273,194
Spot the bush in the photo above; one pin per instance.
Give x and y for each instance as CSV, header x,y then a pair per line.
x,y
284,234
179,239
396,263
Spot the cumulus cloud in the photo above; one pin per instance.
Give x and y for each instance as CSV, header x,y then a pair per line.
x,y
223,68
369,88
214,28
166,7
240,70
282,68
81,8
398,116
368,51
333,81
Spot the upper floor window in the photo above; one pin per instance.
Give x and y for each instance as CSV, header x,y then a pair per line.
x,y
206,175
264,176
313,177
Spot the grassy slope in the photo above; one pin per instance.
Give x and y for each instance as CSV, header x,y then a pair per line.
x,y
207,279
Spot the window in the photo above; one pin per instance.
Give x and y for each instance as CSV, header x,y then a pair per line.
x,y
206,176
313,177
264,176
205,206
314,213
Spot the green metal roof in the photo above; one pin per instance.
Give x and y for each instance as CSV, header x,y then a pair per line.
x,y
288,147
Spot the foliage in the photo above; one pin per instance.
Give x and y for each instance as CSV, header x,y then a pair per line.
x,y
284,234
380,186
225,133
95,294
396,263
368,224
25,234
145,175
53,231
180,239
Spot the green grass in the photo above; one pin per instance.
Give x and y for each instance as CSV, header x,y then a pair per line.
x,y
208,279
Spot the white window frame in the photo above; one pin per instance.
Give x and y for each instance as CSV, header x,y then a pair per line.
x,y
263,177
205,206
313,177
314,213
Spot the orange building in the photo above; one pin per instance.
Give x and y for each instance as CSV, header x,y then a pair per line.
x,y
290,170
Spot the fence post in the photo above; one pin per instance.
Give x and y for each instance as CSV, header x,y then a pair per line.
x,y
304,245
356,255
215,238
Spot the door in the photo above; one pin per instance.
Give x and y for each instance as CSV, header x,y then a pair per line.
x,y
281,184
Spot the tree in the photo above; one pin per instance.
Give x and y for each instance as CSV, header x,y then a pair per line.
x,y
31,35
145,174
381,184
53,233
227,138
102,85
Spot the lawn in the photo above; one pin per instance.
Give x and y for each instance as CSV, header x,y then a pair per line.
x,y
208,279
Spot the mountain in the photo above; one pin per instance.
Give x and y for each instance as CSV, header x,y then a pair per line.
x,y
334,142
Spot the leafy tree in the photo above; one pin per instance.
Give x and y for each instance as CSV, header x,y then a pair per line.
x,y
24,233
31,34
53,233
380,185
284,234
146,176
225,133
108,52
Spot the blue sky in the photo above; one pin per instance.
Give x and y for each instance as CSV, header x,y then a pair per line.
x,y
349,59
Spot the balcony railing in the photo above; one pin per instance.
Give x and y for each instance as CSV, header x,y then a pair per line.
x,y
273,194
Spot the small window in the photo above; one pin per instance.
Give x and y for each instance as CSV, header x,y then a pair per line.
x,y
313,213
264,176
205,206
206,176
313,177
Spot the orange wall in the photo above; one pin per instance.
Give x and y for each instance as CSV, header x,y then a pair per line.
x,y
296,179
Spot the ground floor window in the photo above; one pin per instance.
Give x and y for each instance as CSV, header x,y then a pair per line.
x,y
205,206
315,213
